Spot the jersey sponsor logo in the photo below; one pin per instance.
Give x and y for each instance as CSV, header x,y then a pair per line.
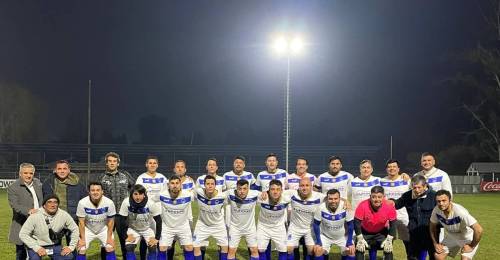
x,y
274,207
448,222
242,201
236,178
142,210
365,184
98,211
153,180
306,202
276,176
333,217
435,179
210,202
333,179
393,183
175,201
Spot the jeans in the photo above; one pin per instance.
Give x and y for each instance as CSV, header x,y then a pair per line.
x,y
55,256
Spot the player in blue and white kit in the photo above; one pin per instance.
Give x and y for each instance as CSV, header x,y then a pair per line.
x,y
153,181
271,173
175,204
334,178
211,218
436,178
242,202
361,186
292,183
272,221
394,186
304,203
137,213
212,171
333,225
96,221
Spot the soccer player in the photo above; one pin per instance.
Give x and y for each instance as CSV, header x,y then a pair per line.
x,y
361,186
175,204
272,221
334,178
436,178
153,181
300,173
238,173
272,172
95,221
370,224
43,230
304,203
242,203
333,225
212,171
137,213
463,231
394,186
211,218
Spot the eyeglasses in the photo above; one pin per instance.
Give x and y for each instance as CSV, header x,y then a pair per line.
x,y
52,202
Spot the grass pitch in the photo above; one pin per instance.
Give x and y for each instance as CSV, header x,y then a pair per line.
x,y
484,207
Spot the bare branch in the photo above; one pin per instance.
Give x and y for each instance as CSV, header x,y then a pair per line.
x,y
481,122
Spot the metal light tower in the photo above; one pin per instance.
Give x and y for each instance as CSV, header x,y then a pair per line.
x,y
288,46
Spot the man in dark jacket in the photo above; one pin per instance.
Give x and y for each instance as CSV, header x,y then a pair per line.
x,y
419,203
68,188
116,185
25,197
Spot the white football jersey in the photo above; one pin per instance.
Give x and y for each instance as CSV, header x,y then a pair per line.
x,y
211,211
139,219
231,178
273,216
361,189
219,182
294,180
437,179
153,184
333,223
242,210
393,189
457,224
341,182
303,210
175,212
188,184
96,217
264,177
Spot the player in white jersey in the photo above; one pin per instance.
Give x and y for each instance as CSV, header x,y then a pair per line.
x,y
272,220
334,178
361,186
242,203
212,171
137,213
175,203
300,173
211,218
153,181
394,186
436,178
463,232
333,225
271,173
304,203
95,221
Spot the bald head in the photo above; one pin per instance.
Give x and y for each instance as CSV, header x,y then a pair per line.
x,y
305,187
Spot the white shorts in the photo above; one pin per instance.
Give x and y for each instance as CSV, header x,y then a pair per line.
x,y
146,234
276,235
327,243
402,228
202,232
453,246
182,234
295,234
235,236
91,236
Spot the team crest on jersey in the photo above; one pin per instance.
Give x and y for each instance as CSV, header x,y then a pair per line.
x,y
392,184
174,202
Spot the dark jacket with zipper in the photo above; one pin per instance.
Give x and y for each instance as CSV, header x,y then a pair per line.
x,y
419,209
74,192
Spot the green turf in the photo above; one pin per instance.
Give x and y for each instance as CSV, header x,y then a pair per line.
x,y
484,207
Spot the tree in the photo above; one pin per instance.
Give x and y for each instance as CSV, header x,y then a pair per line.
x,y
21,115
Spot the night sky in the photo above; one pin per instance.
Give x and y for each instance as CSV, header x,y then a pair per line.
x,y
371,68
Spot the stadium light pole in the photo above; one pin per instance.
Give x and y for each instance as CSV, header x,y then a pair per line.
x,y
287,46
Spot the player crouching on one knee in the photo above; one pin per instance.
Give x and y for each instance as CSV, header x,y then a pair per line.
x,y
370,224
95,221
333,225
138,215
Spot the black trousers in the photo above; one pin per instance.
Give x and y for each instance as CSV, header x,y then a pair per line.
x,y
374,241
420,240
